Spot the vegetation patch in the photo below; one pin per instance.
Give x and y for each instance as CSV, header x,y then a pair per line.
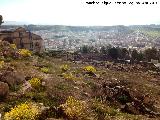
x,y
73,108
36,83
45,69
25,52
24,111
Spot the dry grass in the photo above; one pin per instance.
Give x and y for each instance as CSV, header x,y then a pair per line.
x,y
58,89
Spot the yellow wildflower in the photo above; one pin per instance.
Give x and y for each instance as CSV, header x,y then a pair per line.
x,y
73,108
24,111
25,52
1,64
13,46
68,76
35,83
64,68
90,69
45,70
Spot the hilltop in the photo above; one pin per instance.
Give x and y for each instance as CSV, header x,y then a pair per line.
x,y
48,88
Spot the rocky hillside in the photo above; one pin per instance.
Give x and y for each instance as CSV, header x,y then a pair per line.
x,y
45,88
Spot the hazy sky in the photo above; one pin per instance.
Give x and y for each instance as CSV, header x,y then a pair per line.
x,y
77,12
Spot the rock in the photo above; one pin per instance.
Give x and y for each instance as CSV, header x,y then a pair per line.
x,y
26,87
42,107
126,98
148,100
76,87
43,83
130,108
12,77
49,113
4,90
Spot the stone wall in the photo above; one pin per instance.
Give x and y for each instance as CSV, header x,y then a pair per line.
x,y
23,39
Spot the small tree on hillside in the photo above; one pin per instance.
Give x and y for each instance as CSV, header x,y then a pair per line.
x,y
138,56
134,54
151,53
84,49
1,20
103,50
123,53
113,53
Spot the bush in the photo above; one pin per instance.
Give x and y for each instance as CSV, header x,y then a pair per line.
x,y
1,64
68,76
90,69
45,69
25,52
73,108
103,110
24,111
64,68
13,46
35,83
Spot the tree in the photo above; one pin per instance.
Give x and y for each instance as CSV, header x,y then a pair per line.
x,y
134,54
85,49
113,53
151,53
138,56
1,20
103,50
123,53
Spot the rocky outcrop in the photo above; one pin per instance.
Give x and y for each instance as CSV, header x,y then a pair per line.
x,y
127,99
12,77
4,90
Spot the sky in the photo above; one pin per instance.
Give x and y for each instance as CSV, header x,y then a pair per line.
x,y
79,13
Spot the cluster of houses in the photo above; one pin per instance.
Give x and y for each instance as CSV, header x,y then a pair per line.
x,y
22,39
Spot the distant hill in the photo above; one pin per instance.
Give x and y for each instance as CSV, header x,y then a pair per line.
x,y
151,30
15,23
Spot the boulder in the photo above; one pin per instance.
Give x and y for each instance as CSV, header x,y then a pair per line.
x,y
26,87
4,90
12,78
52,113
126,98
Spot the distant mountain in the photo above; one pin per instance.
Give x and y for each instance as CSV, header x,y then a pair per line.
x,y
15,23
151,30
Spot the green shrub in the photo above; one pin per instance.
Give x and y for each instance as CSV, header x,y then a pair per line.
x,y
103,110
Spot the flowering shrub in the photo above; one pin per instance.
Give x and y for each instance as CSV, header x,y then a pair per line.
x,y
45,70
1,64
68,76
25,52
13,46
35,83
90,69
25,111
73,108
64,68
8,51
